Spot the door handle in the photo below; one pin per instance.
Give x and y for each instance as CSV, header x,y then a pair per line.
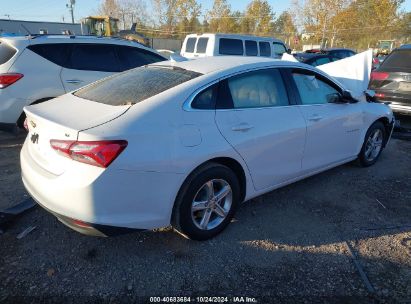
x,y
315,117
74,81
243,127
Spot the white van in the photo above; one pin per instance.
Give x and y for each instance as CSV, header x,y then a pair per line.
x,y
205,45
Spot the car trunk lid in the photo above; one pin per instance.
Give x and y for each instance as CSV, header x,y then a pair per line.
x,y
62,119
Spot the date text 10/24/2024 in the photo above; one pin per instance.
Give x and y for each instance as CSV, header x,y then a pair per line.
x,y
203,300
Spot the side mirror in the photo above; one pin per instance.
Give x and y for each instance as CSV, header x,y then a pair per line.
x,y
288,51
347,97
370,96
334,98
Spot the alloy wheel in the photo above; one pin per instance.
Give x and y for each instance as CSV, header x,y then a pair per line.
x,y
211,204
374,145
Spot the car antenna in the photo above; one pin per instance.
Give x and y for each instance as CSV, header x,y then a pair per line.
x,y
25,28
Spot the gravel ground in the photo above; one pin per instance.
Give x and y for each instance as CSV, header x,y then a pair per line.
x,y
343,236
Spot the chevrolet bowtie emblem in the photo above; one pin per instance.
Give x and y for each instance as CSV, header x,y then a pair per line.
x,y
33,124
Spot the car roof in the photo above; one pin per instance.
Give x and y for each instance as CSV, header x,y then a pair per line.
x,y
234,36
24,41
36,39
338,49
311,55
405,46
207,65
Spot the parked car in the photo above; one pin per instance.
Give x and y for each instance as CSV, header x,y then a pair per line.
x,y
315,59
184,143
340,53
391,81
34,69
205,45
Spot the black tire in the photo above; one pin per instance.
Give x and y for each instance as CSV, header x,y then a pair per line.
x,y
182,219
363,160
20,121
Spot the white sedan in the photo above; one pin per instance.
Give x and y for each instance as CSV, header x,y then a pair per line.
x,y
184,143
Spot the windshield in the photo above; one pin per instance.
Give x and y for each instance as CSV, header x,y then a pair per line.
x,y
135,85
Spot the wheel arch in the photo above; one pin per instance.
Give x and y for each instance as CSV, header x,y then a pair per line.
x,y
387,126
22,117
229,162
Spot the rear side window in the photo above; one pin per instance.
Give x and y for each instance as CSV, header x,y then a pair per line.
x,y
265,49
231,46
205,100
131,57
202,45
57,53
6,52
191,42
94,57
258,89
251,48
279,48
398,59
135,86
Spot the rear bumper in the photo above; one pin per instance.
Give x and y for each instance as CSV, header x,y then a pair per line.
x,y
102,199
90,228
400,108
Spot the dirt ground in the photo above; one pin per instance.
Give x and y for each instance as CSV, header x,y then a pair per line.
x,y
343,236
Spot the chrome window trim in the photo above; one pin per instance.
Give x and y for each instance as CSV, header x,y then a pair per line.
x,y
187,103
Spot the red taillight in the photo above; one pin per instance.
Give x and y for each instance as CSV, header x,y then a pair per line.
x,y
81,224
379,95
96,153
375,61
8,79
379,75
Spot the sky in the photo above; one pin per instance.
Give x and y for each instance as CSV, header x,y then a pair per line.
x,y
55,10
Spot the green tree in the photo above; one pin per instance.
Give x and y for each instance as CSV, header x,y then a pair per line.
x,y
220,17
258,18
283,27
176,14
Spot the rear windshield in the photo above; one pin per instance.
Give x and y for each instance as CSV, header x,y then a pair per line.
x,y
6,52
135,85
398,59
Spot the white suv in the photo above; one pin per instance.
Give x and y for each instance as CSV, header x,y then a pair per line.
x,y
34,69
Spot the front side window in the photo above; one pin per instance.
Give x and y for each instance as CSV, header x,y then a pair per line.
x,y
279,49
202,45
251,48
313,90
135,85
265,49
231,46
94,57
191,42
257,89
